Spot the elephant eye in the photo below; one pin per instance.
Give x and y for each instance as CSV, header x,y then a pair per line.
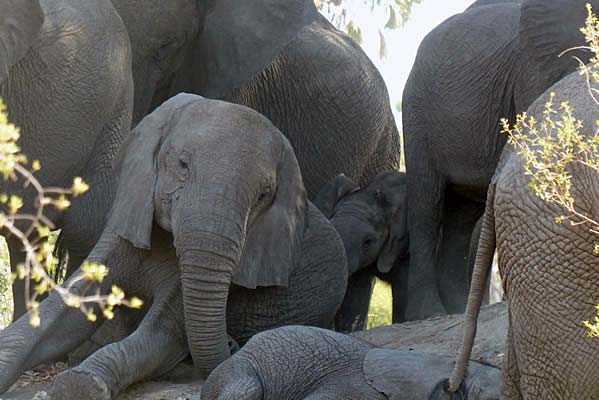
x,y
183,164
367,243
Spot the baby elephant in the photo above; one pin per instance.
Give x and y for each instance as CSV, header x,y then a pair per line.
x,y
298,362
372,223
211,206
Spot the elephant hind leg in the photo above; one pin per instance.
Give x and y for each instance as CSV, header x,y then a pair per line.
x,y
510,388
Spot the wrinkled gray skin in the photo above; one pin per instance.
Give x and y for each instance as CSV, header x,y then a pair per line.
x,y
372,223
549,270
60,62
487,63
297,362
251,252
282,59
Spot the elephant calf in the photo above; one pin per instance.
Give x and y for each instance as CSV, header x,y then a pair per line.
x,y
298,362
209,193
372,223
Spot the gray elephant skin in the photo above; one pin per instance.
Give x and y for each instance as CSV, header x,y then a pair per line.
x,y
487,63
550,272
299,362
212,227
372,223
282,59
60,62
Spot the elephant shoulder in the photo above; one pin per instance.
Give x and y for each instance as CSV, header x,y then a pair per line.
x,y
330,52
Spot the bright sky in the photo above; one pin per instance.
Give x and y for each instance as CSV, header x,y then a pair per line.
x,y
402,44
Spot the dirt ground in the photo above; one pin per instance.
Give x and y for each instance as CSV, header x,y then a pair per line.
x,y
441,335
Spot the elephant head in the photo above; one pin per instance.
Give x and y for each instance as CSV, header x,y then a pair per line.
x,y
371,221
207,46
20,23
227,184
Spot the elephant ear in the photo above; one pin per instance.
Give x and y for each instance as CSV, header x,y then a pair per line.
x,y
132,213
242,37
273,242
328,197
20,24
550,27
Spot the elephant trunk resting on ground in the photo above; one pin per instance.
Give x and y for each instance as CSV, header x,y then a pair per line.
x,y
251,252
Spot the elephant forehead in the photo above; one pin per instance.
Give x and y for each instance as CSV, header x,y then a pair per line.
x,y
225,125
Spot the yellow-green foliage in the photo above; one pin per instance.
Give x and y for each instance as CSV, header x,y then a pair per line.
x,y
552,146
35,237
381,305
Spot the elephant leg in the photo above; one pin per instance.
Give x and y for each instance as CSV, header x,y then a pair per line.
x,y
23,347
18,287
353,313
426,191
511,374
398,277
461,216
124,323
156,346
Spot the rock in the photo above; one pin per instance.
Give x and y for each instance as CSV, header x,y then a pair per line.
x,y
443,335
439,335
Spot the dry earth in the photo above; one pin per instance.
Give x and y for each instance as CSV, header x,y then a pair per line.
x,y
441,335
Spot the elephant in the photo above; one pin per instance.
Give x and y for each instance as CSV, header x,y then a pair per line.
x,y
372,224
549,271
211,193
300,362
60,62
487,63
284,60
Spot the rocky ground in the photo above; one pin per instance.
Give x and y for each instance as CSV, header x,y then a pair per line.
x,y
441,335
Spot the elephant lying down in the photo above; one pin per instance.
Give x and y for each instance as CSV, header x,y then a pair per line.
x,y
211,201
299,362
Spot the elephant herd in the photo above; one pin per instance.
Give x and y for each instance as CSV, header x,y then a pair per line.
x,y
243,160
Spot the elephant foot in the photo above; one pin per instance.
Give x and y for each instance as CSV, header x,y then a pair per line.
x,y
76,385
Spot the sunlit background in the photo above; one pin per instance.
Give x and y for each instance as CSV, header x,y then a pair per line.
x,y
400,44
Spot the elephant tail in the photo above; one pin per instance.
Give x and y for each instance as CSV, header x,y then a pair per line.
x,y
451,389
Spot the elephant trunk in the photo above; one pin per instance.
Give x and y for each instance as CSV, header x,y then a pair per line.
x,y
207,258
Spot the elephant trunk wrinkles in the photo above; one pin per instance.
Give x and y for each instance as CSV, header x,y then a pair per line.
x,y
207,260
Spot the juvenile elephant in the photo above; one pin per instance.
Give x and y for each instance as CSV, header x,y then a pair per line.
x,y
489,62
215,189
281,58
60,62
372,223
298,362
550,272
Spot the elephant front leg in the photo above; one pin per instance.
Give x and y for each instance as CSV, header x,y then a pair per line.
x,y
23,347
426,208
353,313
157,346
